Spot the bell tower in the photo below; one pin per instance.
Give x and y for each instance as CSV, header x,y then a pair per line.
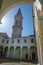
x,y
17,27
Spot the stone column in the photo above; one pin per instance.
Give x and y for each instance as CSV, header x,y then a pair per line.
x,y
40,17
8,53
28,53
37,34
21,53
14,52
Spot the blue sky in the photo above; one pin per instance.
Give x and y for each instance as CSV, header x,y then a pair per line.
x,y
8,20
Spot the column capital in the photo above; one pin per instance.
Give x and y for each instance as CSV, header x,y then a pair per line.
x,y
40,16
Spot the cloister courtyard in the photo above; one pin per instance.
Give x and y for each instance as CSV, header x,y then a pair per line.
x,y
18,49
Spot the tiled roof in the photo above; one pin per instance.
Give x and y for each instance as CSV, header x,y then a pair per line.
x,y
4,35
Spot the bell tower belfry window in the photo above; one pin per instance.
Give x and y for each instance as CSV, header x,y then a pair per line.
x,y
17,27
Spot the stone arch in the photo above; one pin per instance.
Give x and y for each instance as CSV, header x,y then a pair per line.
x,y
6,9
12,4
17,52
33,53
1,51
25,53
11,52
5,51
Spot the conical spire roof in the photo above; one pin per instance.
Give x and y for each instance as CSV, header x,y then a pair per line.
x,y
19,12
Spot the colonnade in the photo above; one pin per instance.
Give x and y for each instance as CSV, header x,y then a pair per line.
x,y
22,53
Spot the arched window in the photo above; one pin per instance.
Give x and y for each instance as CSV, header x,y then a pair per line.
x,y
18,40
32,40
25,40
17,22
2,40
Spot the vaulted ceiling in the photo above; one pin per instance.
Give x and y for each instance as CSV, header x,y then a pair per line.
x,y
1,1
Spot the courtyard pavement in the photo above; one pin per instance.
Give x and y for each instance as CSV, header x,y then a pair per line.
x,y
16,63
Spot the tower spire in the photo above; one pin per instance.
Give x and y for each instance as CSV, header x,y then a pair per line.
x,y
19,11
17,27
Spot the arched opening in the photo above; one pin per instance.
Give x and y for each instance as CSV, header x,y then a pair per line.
x,y
1,51
6,51
12,4
25,53
11,52
26,14
19,2
33,53
17,52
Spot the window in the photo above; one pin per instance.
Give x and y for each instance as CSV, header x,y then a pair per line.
x,y
19,35
25,41
12,41
18,41
20,22
2,40
16,22
7,41
32,40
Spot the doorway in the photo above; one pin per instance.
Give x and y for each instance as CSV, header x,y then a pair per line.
x,y
1,54
33,56
26,56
